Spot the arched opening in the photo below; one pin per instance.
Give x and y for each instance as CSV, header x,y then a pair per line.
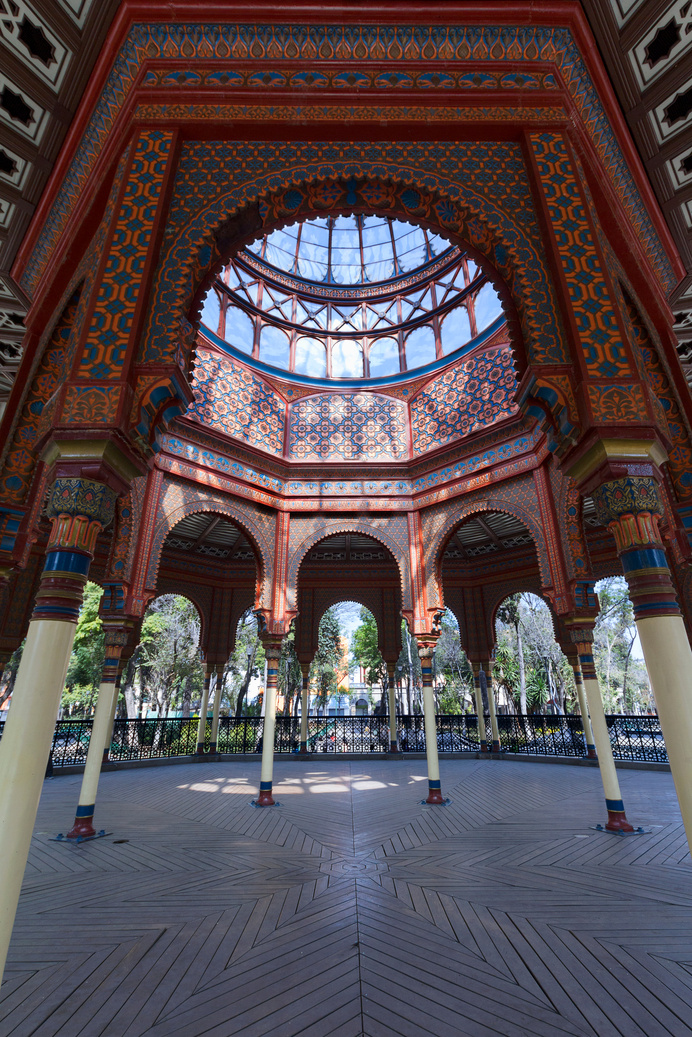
x,y
351,297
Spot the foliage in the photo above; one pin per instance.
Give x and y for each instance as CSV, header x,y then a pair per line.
x,y
290,682
623,678
453,673
327,657
408,670
246,662
86,662
170,666
365,651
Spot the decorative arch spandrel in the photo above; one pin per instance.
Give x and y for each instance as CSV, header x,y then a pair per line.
x,y
494,216
515,497
178,500
306,531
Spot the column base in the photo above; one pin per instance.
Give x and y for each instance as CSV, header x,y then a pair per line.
x,y
265,798
303,751
484,747
591,752
617,821
82,827
212,747
435,797
200,749
496,747
393,747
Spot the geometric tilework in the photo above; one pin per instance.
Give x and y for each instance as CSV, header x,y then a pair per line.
x,y
427,47
665,404
20,462
479,192
233,400
592,307
106,345
347,427
473,395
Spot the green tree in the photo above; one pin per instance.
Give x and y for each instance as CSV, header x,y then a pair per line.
x,y
88,652
327,657
170,667
365,651
623,679
247,660
290,682
509,615
409,669
452,666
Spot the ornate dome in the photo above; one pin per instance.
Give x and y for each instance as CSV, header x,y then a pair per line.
x,y
352,298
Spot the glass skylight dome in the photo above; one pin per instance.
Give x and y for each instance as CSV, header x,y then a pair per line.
x,y
351,297
349,250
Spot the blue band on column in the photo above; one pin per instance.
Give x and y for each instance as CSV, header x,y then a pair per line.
x,y
615,804
434,784
265,786
644,558
67,562
85,811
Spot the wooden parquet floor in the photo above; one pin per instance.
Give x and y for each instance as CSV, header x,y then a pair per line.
x,y
353,910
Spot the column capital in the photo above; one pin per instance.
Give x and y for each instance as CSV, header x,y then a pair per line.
x,y
426,645
631,508
600,460
117,633
272,646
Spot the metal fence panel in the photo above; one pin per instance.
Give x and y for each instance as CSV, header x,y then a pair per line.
x,y
632,737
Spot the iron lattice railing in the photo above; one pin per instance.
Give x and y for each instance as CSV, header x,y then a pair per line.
x,y
631,737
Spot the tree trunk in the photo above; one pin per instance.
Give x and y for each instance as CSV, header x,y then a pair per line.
x,y
624,676
187,697
128,687
244,686
522,672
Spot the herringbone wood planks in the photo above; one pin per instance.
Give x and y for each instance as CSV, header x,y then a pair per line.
x,y
352,910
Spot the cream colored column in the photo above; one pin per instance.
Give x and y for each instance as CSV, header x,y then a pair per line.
x,y
583,709
668,659
24,750
425,651
304,707
391,699
482,732
101,731
488,669
28,734
203,710
617,820
272,651
214,737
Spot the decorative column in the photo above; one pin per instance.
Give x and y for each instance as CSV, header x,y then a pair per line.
x,y
78,509
272,652
488,674
203,710
304,707
425,651
214,737
581,698
582,638
116,635
391,699
478,693
631,508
